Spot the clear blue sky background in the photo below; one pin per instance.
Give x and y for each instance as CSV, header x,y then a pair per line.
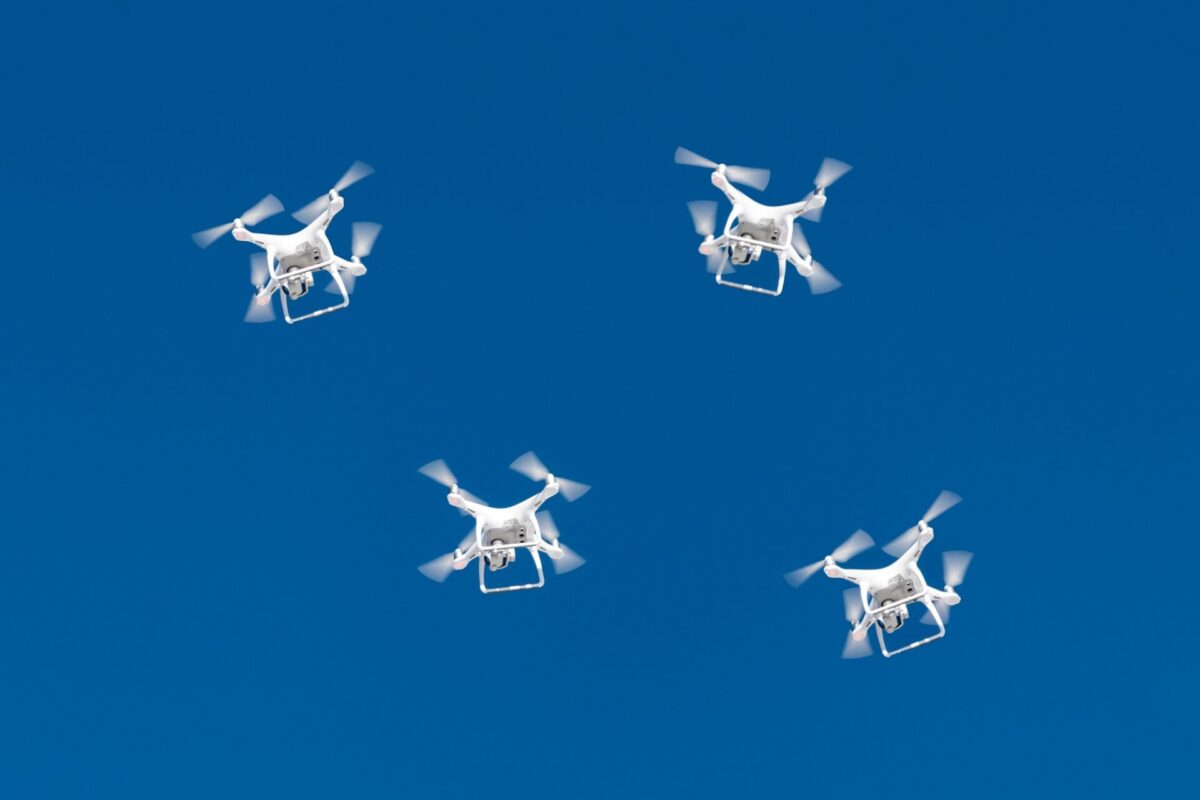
x,y
211,529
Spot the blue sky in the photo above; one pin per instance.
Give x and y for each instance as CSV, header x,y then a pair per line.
x,y
207,580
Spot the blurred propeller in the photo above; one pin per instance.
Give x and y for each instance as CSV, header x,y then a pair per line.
x,y
570,559
704,216
363,238
954,569
441,567
269,206
748,176
358,170
829,173
943,503
831,170
438,471
859,541
259,273
820,281
531,467
852,600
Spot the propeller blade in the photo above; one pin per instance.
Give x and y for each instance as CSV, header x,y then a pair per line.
x,y
439,569
859,540
749,176
813,214
852,600
472,498
269,206
718,259
572,490
438,471
799,576
547,526
704,216
570,560
685,156
468,540
530,466
311,211
853,649
943,611
831,169
363,238
821,281
347,280
944,502
259,313
206,237
897,546
800,241
358,170
259,271
954,566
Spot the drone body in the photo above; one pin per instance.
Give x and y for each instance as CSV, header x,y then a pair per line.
x,y
884,595
291,260
753,227
499,533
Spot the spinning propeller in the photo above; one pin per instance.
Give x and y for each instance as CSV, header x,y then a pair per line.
x,y
749,176
362,240
438,471
954,569
820,281
944,502
269,206
259,312
704,218
859,540
570,559
531,467
831,169
358,170
854,611
442,566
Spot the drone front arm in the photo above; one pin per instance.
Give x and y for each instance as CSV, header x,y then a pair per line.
x,y
728,189
545,494
335,205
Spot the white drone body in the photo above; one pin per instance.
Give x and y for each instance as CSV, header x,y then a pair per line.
x,y
291,260
499,533
753,228
884,595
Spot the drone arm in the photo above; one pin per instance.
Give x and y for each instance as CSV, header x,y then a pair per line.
x,y
467,556
545,494
355,268
783,263
335,205
924,537
810,203
455,499
728,189
264,240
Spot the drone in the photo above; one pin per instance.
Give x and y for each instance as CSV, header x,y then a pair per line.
x,y
499,533
753,227
291,259
883,595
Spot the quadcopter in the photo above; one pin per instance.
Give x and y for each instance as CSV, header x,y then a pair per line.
x,y
753,227
883,595
291,259
500,532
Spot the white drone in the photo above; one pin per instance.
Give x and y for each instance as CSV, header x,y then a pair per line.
x,y
500,532
291,259
753,227
883,595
